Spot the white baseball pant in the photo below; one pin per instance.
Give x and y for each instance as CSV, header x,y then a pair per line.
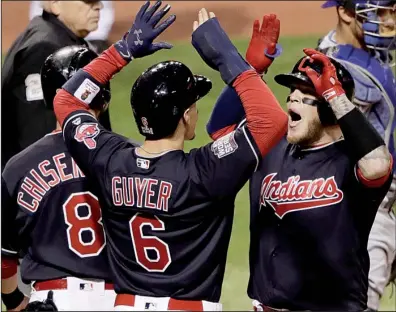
x,y
125,302
382,248
75,294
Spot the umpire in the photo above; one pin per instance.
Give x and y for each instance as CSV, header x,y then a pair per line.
x,y
24,118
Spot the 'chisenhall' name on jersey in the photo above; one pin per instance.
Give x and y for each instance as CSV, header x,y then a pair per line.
x,y
48,174
295,195
141,192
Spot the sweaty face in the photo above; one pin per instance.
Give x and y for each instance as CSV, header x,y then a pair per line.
x,y
304,127
81,17
190,117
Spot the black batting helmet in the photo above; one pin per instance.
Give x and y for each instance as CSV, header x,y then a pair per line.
x,y
297,77
161,95
61,66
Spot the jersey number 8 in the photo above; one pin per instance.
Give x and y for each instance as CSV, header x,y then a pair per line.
x,y
77,224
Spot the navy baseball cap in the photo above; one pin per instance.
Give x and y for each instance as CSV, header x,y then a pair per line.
x,y
344,3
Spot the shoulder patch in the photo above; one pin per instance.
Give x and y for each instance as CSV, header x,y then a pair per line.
x,y
225,146
34,92
87,133
87,91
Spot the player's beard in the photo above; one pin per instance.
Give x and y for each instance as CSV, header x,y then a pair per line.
x,y
312,134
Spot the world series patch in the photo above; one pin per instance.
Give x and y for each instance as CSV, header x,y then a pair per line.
x,y
225,146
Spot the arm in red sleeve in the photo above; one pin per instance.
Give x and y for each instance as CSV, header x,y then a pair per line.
x,y
9,266
101,69
266,120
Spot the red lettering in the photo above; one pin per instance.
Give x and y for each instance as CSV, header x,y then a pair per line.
x,y
116,191
127,187
302,190
316,188
150,193
77,173
165,191
39,179
50,172
140,190
24,204
32,188
60,167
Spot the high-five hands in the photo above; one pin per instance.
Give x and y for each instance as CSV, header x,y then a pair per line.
x,y
326,83
203,16
216,49
138,40
263,47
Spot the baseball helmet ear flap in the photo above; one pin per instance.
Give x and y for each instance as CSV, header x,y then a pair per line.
x,y
60,66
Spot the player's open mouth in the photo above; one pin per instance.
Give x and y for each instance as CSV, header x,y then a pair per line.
x,y
294,118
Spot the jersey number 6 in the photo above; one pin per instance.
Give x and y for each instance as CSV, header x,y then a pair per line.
x,y
143,243
77,224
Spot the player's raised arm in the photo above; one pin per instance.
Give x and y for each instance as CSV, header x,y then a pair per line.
x,y
238,153
263,48
366,147
89,143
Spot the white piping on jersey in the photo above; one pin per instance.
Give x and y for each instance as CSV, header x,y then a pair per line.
x,y
156,155
9,251
321,146
241,123
251,146
72,117
54,132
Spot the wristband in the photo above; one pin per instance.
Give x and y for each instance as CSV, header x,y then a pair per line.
x,y
278,51
12,300
85,88
361,136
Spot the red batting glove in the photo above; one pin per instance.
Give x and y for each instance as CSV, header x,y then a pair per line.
x,y
327,83
263,43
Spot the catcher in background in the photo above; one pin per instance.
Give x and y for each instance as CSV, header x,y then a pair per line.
x,y
364,41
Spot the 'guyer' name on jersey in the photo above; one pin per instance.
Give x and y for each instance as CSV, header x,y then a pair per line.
x,y
141,192
48,174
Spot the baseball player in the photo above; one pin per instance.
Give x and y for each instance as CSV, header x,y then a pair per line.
x,y
170,213
51,215
367,31
315,195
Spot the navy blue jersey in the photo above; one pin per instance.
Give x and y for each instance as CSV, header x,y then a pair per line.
x,y
310,221
51,215
168,219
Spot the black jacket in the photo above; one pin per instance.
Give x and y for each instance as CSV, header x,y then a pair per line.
x,y
24,118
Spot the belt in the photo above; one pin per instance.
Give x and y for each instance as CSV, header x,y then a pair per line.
x,y
173,304
59,284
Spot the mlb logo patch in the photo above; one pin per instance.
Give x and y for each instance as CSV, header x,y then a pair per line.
x,y
142,163
225,146
86,286
87,91
150,306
